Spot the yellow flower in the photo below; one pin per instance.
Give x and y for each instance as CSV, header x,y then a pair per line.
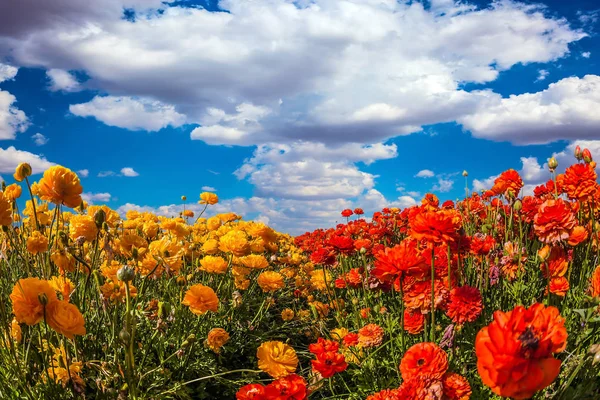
x,y
15,331
320,279
13,192
60,185
83,226
339,333
216,265
277,359
200,299
211,246
27,298
217,337
37,243
208,198
5,210
22,171
63,260
270,281
62,285
235,242
254,261
213,223
66,319
287,314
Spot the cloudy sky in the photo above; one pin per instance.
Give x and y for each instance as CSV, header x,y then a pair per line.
x,y
294,110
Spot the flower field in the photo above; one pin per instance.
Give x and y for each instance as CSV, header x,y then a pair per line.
x,y
494,296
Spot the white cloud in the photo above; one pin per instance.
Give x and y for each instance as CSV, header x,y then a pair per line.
x,y
84,173
209,189
425,173
62,80
586,54
566,109
12,120
96,197
7,72
130,113
443,185
10,158
337,93
104,174
129,172
542,75
39,139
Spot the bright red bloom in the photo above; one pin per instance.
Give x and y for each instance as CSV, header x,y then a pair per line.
x,y
554,221
515,352
421,387
253,391
508,183
322,346
559,286
403,258
482,244
323,256
424,359
343,244
456,387
385,394
414,321
358,211
579,181
329,363
291,387
435,226
347,212
465,304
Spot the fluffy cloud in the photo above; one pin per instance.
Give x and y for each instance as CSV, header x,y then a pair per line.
x,y
566,109
337,94
130,113
96,197
542,75
425,173
39,139
129,172
209,189
62,80
12,120
443,185
7,72
11,157
84,173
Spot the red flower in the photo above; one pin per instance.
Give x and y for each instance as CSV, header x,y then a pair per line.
x,y
253,391
358,211
322,346
435,226
414,321
482,244
554,221
403,258
347,212
421,387
385,394
508,183
350,339
329,363
465,304
579,181
515,352
456,387
424,359
291,387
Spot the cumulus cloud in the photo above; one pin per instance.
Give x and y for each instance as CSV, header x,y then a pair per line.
x,y
39,139
130,113
84,173
104,174
443,185
209,189
425,173
7,72
542,75
11,157
61,80
96,197
129,172
586,54
12,120
567,109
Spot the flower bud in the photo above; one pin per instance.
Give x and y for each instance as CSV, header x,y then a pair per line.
x,y
578,154
518,205
22,171
552,164
99,218
363,250
183,198
587,156
125,273
43,298
465,173
544,253
124,336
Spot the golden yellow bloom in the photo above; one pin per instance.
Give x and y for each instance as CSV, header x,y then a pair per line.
x,y
27,297
22,171
213,223
15,331
63,285
287,314
83,226
216,265
241,283
5,210
66,319
270,281
13,192
111,217
63,260
217,337
60,185
188,213
208,198
254,261
200,299
115,291
339,333
37,243
277,359
320,279
211,246
235,242
170,252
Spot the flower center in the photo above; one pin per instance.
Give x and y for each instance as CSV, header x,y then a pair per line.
x,y
420,362
529,342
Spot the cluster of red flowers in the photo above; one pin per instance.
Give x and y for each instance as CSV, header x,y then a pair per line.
x,y
291,387
329,360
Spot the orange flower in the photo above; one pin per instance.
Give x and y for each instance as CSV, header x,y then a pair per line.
x,y
579,181
212,264
37,243
201,299
414,321
270,281
456,387
435,226
385,394
83,226
515,352
60,185
465,304
27,297
5,210
22,171
370,335
403,258
277,359
578,235
217,337
595,283
554,221
66,319
556,264
254,261
208,198
559,286
509,183
424,359
62,285
13,192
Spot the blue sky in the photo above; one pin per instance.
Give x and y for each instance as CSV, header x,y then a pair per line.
x,y
293,111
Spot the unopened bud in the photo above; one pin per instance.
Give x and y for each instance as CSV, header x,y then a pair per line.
x,y
578,154
125,273
544,253
518,205
124,336
99,218
64,239
22,171
43,298
190,339
181,281
363,250
587,156
465,173
183,198
552,164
